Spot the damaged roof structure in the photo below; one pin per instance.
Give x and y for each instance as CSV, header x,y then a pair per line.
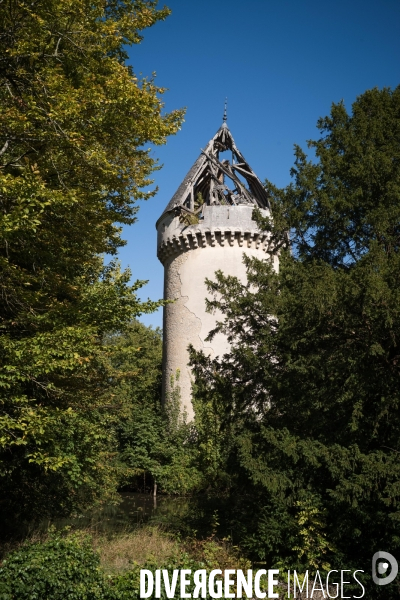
x,y
220,176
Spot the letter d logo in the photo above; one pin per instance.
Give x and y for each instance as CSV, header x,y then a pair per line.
x,y
382,567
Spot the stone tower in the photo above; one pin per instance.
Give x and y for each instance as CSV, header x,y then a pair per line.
x,y
206,226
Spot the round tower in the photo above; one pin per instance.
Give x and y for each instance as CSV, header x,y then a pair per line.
x,y
206,227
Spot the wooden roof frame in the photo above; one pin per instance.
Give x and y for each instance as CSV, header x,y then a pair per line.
x,y
209,177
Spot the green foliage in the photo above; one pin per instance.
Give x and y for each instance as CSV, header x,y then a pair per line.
x,y
58,569
178,471
68,567
136,358
155,442
74,120
310,389
314,543
192,218
127,585
213,441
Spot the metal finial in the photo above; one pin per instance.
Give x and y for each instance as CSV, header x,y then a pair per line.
x,y
225,110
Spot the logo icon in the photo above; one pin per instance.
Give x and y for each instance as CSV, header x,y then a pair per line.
x,y
380,565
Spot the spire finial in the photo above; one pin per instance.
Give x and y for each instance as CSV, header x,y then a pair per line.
x,y
225,111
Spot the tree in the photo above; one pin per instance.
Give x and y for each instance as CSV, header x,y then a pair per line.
x,y
310,389
155,444
74,123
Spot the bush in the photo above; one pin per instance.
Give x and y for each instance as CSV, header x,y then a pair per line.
x,y
67,568
59,569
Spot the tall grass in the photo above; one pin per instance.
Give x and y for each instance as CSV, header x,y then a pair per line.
x,y
120,552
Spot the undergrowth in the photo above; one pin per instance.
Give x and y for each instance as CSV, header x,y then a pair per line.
x,y
88,566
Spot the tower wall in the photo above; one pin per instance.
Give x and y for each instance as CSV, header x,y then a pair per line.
x,y
190,254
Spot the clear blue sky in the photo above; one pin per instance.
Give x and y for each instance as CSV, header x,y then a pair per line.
x,y
281,63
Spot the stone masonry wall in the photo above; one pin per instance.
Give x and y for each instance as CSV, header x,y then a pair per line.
x,y
191,254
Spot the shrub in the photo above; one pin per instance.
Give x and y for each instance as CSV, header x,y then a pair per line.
x,y
59,569
68,568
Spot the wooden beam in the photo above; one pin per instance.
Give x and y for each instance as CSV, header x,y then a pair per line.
x,y
232,176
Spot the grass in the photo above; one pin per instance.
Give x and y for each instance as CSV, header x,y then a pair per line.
x,y
120,552
126,550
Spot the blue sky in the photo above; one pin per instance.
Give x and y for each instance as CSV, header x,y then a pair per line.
x,y
281,63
